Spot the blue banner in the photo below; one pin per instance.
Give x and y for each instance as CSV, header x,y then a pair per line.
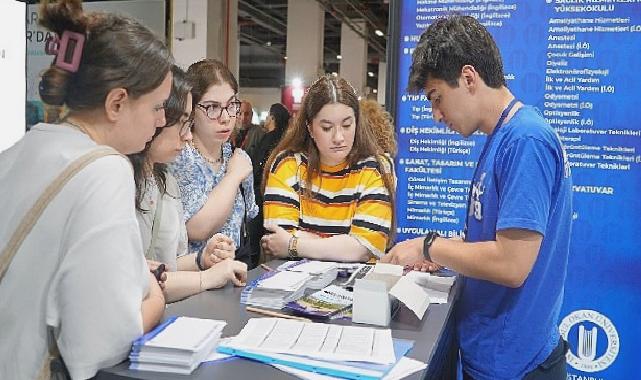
x,y
577,62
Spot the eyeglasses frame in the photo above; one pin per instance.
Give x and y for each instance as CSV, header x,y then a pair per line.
x,y
207,107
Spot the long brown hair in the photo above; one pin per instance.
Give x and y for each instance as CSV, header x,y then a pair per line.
x,y
380,122
328,90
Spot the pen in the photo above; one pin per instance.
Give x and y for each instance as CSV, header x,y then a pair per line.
x,y
275,314
266,267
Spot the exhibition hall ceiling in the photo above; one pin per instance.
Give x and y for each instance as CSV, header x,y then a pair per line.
x,y
263,37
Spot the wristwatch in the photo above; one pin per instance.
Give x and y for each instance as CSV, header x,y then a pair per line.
x,y
427,243
292,249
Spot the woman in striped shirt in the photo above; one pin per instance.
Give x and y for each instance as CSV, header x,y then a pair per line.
x,y
327,194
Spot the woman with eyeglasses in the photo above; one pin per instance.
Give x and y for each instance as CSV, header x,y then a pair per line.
x,y
215,182
160,211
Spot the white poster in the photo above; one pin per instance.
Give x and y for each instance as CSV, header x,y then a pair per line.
x,y
12,72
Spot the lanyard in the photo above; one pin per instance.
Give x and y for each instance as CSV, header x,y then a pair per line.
x,y
482,157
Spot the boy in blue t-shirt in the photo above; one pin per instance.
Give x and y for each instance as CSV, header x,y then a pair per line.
x,y
513,259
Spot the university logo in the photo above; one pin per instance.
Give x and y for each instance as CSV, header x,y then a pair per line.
x,y
597,340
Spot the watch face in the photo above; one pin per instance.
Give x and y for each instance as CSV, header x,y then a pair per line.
x,y
293,250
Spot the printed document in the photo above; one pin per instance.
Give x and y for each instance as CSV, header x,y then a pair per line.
x,y
316,340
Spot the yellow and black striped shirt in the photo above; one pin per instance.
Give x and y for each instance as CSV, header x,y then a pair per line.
x,y
344,200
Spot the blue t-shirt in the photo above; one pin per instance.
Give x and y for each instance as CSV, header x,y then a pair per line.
x,y
196,179
523,182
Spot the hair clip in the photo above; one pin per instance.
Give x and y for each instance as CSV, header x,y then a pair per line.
x,y
70,51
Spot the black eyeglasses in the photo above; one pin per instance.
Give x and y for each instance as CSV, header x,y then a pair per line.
x,y
214,111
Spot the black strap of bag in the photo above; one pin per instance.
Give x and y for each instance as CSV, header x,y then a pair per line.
x,y
244,251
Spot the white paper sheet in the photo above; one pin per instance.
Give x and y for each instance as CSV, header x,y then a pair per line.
x,y
187,333
313,267
405,367
412,295
316,340
396,270
285,280
436,287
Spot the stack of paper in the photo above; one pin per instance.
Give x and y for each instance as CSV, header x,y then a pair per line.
x,y
319,347
178,345
322,272
274,289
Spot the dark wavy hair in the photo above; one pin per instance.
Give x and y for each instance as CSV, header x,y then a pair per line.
x,y
451,43
281,117
119,52
174,109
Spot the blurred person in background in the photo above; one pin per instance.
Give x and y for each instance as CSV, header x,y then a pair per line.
x,y
275,125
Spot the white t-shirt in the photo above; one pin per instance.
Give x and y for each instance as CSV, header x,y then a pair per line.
x,y
171,238
89,230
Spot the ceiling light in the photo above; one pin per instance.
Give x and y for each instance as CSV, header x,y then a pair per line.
x,y
339,57
378,33
370,74
375,91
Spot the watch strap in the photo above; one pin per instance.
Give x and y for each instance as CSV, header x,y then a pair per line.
x,y
427,243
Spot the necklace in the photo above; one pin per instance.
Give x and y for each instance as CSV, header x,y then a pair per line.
x,y
82,129
209,160
78,127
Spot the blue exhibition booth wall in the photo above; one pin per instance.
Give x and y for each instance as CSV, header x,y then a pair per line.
x,y
578,63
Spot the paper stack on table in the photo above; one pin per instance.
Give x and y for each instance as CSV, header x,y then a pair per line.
x,y
352,352
178,345
274,289
322,272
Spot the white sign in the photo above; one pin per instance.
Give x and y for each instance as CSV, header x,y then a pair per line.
x,y
12,72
